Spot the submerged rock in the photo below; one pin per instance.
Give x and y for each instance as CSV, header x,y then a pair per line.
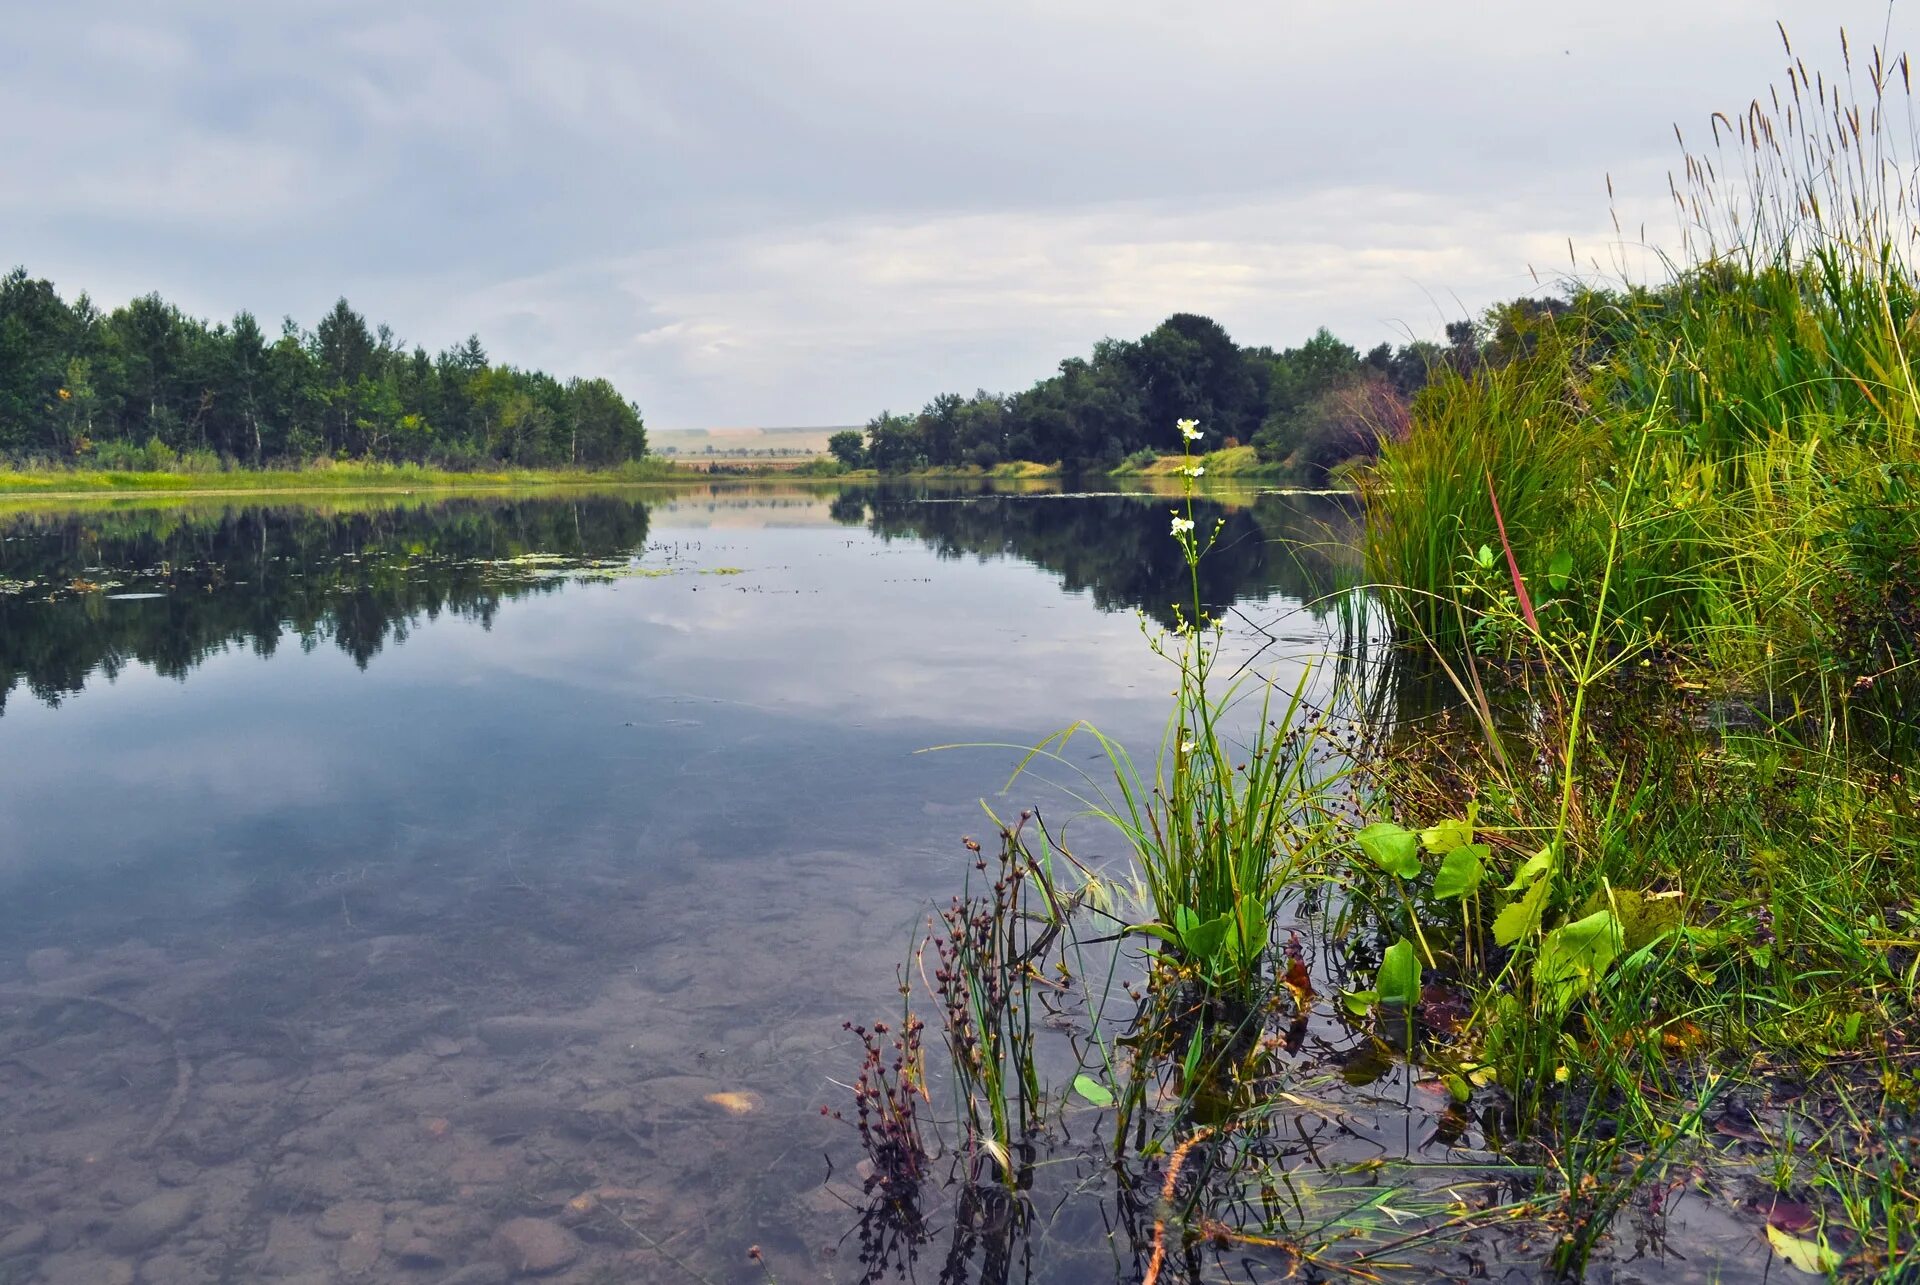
x,y
86,1269
151,1221
514,1034
535,1247
478,1274
49,964
24,1239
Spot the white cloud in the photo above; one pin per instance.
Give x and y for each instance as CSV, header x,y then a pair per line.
x,y
746,211
834,321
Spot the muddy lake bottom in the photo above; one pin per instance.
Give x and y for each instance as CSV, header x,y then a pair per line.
x,y
464,891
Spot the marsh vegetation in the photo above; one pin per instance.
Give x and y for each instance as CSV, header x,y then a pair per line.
x,y
1597,847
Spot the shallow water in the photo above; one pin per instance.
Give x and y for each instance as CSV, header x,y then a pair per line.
x,y
429,864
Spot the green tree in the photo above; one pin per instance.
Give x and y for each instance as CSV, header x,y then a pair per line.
x,y
849,447
893,443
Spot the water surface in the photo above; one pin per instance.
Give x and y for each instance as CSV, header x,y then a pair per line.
x,y
461,849
390,887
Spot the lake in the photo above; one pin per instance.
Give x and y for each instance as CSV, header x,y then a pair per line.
x,y
457,878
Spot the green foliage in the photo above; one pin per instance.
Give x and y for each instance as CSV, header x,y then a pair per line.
x,y
1314,406
78,386
1398,981
1460,871
848,447
1393,848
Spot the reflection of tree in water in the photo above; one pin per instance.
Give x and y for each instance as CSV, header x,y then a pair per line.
x,y
1118,548
360,578
254,575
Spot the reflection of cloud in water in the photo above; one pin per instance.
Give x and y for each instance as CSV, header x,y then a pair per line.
x,y
907,636
580,717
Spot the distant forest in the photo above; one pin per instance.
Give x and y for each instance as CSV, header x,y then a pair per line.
x,y
148,387
1305,409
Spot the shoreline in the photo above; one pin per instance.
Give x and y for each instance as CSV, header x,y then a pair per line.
x,y
149,486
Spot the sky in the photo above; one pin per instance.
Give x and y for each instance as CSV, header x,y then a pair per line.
x,y
774,213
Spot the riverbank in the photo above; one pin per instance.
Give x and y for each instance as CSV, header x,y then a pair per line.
x,y
80,483
1236,464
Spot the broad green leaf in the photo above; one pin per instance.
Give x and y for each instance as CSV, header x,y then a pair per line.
x,y
1644,918
1575,955
1360,1003
1560,570
1458,1087
1250,930
1532,868
1092,1090
1810,1256
1461,871
1484,556
1393,848
1203,941
1521,915
1398,981
1443,837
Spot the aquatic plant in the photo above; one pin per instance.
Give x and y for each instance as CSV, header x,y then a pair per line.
x,y
987,953
1648,878
887,1092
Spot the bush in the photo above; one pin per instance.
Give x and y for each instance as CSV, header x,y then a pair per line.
x,y
1349,422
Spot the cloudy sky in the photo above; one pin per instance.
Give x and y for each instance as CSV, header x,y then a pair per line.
x,y
783,212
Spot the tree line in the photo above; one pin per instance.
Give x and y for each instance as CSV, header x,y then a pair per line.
x,y
147,386
1308,408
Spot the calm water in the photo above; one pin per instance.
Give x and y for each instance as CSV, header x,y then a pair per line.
x,y
434,863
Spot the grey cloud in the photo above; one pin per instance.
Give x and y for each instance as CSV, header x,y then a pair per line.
x,y
750,211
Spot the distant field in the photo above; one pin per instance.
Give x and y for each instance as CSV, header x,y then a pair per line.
x,y
741,442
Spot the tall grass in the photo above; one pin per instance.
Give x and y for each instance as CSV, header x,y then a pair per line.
x,y
1769,383
1670,557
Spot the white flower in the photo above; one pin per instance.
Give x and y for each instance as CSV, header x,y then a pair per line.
x,y
1198,470
1187,747
1190,429
1181,526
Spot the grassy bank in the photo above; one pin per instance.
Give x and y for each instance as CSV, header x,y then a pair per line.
x,y
1234,465
1680,534
321,476
1234,462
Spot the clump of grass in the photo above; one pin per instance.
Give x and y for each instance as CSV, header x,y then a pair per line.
x,y
987,953
887,1092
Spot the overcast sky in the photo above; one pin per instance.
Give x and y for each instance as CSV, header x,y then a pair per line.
x,y
783,212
